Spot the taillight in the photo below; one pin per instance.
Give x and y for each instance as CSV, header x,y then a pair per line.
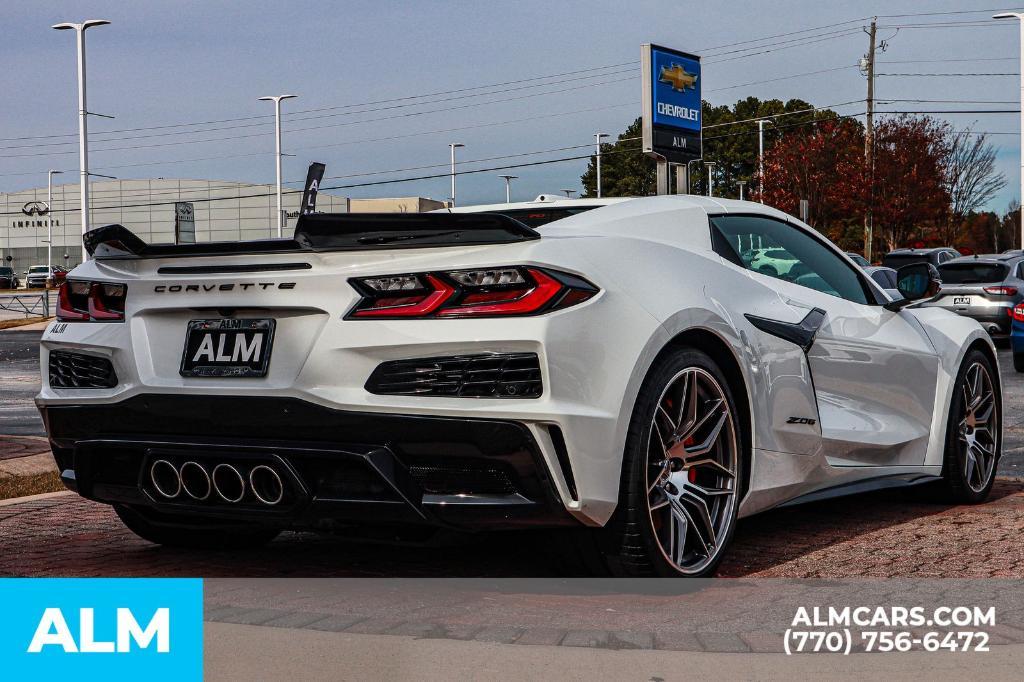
x,y
1017,312
79,301
1001,291
485,292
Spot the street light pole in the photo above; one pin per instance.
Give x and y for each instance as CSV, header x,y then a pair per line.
x,y
1020,17
710,166
83,113
508,186
452,146
49,218
597,145
276,99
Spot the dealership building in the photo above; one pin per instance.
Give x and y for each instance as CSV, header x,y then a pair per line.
x,y
220,210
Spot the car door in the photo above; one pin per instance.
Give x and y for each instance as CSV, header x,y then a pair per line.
x,y
874,370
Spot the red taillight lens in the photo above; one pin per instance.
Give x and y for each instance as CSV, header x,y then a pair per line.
x,y
73,302
79,301
492,292
1017,312
1001,291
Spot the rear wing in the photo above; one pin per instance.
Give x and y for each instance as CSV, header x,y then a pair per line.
x,y
316,232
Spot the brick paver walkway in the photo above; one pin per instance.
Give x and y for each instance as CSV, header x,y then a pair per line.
x,y
881,534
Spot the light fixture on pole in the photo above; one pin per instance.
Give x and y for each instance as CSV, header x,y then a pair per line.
x,y
276,99
452,146
83,113
568,192
49,219
597,146
508,186
742,184
1020,17
710,166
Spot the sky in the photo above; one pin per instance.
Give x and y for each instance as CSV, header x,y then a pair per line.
x,y
526,81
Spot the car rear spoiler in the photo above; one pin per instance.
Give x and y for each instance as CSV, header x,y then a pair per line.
x,y
316,232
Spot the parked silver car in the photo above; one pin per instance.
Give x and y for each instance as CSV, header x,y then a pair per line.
x,y
983,287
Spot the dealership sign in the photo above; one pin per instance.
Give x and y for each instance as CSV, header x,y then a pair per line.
x,y
671,104
184,223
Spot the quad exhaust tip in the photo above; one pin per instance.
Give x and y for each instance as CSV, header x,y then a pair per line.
x,y
228,483
195,481
266,485
225,480
165,478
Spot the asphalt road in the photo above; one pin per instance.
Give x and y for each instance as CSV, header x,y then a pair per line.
x,y
19,383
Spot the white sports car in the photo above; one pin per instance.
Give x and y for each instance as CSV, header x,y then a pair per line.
x,y
622,372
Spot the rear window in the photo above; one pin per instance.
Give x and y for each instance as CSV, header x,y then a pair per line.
x,y
972,273
898,260
535,217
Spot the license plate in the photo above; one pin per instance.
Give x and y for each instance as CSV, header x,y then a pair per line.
x,y
227,348
961,300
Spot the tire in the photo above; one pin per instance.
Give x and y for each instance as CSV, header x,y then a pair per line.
x,y
193,534
696,492
1018,362
973,435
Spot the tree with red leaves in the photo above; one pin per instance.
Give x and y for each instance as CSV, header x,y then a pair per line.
x,y
910,195
825,165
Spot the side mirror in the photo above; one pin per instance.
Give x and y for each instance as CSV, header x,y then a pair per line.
x,y
916,282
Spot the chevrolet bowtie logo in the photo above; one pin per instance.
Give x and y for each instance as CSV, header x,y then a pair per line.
x,y
678,78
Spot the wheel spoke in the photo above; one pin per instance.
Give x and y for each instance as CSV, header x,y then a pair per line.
x,y
692,431
709,442
677,532
677,506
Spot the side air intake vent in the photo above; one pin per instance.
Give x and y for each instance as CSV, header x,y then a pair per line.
x,y
489,375
75,370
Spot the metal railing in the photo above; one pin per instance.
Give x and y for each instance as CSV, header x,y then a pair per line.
x,y
28,305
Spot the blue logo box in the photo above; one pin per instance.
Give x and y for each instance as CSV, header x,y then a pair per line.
x,y
676,91
101,629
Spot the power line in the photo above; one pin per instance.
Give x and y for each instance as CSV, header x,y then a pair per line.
x,y
1014,73
353,185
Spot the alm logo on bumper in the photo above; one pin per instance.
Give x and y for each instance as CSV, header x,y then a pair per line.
x,y
102,629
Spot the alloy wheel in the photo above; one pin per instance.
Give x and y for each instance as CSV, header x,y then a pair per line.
x,y
692,470
978,429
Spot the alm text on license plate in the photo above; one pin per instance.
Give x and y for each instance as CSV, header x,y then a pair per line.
x,y
961,300
227,348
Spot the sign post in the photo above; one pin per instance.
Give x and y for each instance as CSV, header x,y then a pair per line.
x,y
184,223
671,109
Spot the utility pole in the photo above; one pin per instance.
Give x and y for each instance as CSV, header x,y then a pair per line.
x,y
597,146
869,139
760,158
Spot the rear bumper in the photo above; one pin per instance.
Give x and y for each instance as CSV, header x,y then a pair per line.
x,y
341,468
997,315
